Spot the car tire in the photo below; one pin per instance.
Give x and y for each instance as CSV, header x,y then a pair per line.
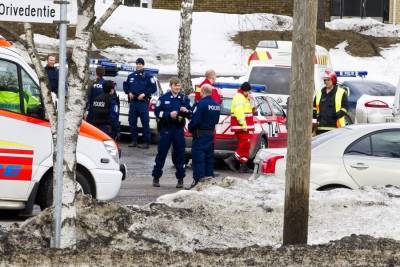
x,y
45,193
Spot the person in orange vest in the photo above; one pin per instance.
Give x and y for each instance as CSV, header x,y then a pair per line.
x,y
330,104
210,79
242,123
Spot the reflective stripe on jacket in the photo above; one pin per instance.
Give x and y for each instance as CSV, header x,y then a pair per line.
x,y
241,113
340,93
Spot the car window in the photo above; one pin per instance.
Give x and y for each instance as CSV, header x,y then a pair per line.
x,y
276,108
9,88
263,107
32,104
226,106
386,144
372,88
276,79
360,147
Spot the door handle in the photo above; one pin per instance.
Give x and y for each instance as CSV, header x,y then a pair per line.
x,y
359,166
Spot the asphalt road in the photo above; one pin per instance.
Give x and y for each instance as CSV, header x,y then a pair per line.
x,y
137,188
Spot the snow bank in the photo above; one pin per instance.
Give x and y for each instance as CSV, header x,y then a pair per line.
x,y
367,26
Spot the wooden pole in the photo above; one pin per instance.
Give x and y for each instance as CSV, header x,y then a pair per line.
x,y
295,227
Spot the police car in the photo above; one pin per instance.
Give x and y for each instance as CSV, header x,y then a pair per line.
x,y
26,145
119,73
270,65
270,123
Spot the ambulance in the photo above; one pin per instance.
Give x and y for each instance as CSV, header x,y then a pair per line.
x,y
270,65
26,147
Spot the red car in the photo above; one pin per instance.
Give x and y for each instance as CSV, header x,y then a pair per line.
x,y
270,126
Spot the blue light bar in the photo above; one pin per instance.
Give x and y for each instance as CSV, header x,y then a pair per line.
x,y
361,74
108,65
254,87
99,61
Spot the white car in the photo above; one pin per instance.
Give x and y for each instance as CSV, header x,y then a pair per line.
x,y
373,101
119,73
348,157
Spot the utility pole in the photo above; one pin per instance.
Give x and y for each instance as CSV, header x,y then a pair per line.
x,y
295,225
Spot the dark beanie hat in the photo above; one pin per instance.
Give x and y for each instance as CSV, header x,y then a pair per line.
x,y
140,61
245,86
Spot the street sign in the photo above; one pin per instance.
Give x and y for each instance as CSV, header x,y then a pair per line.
x,y
40,11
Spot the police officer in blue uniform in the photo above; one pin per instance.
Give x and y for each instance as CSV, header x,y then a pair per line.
x,y
202,126
106,111
95,91
140,87
171,111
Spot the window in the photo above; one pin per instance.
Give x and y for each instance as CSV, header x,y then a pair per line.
x,y
276,108
386,144
276,79
32,99
263,107
9,89
360,147
226,106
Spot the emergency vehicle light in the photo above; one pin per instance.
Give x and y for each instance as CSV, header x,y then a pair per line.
x,y
115,67
361,74
254,87
99,61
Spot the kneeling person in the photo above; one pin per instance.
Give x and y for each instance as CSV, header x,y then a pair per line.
x,y
106,110
171,110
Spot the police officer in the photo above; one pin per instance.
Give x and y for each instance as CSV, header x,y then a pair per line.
x,y
95,91
171,110
140,87
106,111
202,126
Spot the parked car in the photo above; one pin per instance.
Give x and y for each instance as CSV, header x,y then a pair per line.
x,y
368,98
119,73
26,145
270,124
349,157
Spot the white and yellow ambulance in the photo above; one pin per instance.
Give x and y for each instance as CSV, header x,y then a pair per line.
x,y
270,65
26,148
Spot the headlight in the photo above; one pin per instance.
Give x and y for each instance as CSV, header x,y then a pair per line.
x,y
112,149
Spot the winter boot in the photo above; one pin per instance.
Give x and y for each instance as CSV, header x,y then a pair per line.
x,y
179,184
156,182
244,169
231,162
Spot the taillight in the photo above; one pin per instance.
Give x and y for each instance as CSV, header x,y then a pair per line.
x,y
268,165
376,104
152,105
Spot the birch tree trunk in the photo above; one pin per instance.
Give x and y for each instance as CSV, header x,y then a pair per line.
x,y
299,135
184,48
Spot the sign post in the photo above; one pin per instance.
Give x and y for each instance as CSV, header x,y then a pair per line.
x,y
60,123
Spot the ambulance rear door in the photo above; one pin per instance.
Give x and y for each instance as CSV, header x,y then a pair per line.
x,y
25,137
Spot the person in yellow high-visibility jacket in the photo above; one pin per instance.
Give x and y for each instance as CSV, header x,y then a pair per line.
x,y
242,123
10,100
330,104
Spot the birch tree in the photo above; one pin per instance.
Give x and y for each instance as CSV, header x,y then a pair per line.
x,y
184,48
295,227
78,81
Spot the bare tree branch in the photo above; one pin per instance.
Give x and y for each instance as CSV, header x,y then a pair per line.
x,y
14,35
107,14
43,79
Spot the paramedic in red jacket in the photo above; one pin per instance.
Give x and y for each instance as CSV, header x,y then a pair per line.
x,y
210,78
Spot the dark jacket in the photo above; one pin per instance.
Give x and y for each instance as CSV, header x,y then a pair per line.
x,y
205,115
52,74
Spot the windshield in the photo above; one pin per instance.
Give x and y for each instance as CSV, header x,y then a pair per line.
x,y
276,79
323,138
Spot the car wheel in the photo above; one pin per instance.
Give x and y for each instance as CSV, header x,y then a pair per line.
x,y
45,192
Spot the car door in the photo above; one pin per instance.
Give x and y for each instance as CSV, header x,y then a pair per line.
x,y
375,158
25,138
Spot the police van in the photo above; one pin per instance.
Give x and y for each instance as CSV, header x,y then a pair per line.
x,y
119,73
26,146
270,65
